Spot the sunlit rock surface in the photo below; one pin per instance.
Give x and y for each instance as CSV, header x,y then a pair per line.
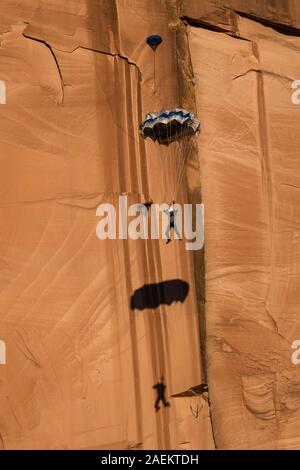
x,y
76,80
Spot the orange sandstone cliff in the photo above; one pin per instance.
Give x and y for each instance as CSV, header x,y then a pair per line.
x,y
80,363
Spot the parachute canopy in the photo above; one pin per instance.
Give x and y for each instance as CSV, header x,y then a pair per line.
x,y
154,41
169,126
175,130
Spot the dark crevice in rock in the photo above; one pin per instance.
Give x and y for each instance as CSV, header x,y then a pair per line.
x,y
54,57
279,27
203,24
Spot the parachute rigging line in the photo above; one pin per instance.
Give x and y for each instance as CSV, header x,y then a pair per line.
x,y
154,41
175,131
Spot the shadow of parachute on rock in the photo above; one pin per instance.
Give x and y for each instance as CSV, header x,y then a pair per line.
x,y
162,293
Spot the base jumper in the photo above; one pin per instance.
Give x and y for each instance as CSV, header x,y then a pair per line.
x,y
171,213
160,387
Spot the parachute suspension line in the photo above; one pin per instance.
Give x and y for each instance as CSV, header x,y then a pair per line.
x,y
166,159
154,42
181,157
162,166
180,163
187,150
174,130
185,153
174,162
154,74
170,165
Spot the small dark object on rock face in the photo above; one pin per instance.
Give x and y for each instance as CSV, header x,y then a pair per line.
x,y
160,387
154,41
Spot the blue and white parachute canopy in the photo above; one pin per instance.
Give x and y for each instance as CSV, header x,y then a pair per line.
x,y
169,126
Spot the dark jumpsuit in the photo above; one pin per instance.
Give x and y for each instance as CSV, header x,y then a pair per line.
x,y
160,386
172,215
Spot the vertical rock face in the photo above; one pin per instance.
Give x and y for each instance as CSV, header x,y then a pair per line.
x,y
222,12
249,154
76,79
81,364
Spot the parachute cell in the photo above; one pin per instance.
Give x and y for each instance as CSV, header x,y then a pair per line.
x,y
154,41
170,125
175,131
